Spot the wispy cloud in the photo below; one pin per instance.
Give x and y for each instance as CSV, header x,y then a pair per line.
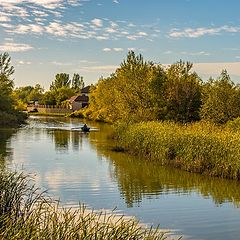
x,y
15,47
97,22
113,49
100,69
107,49
24,62
201,53
199,32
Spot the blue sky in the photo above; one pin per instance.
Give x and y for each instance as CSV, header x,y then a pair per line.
x,y
92,37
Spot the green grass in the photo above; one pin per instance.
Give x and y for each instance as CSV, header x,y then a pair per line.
x,y
200,147
27,214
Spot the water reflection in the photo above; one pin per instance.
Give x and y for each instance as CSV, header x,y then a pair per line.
x,y
139,178
5,136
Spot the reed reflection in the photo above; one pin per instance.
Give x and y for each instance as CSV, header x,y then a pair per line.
x,y
138,178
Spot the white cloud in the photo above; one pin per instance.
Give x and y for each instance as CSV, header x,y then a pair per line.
x,y
24,62
118,49
132,37
97,22
142,34
15,47
4,18
201,53
101,69
107,49
61,63
116,1
110,30
199,32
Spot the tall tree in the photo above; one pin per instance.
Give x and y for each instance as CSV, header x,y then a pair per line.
x,y
61,80
6,83
77,82
221,99
182,93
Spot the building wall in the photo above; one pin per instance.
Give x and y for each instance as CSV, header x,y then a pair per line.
x,y
76,106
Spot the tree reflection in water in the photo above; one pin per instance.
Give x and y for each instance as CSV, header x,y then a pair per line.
x,y
139,178
5,152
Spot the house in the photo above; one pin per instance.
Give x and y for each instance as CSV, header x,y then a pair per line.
x,y
80,101
85,91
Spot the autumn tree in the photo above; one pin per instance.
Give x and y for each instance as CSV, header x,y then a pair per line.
x,y
221,99
182,93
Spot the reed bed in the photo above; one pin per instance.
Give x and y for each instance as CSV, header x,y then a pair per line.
x,y
27,214
199,147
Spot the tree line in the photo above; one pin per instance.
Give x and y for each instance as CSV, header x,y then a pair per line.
x,y
61,89
140,90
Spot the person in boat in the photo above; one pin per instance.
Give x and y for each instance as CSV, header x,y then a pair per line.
x,y
85,127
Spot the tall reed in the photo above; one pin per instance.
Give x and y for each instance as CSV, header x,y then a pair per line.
x,y
199,147
27,214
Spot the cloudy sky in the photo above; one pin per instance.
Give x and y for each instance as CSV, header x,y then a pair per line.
x,y
92,37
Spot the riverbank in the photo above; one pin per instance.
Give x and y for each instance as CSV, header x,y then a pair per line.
x,y
199,147
27,214
12,118
47,114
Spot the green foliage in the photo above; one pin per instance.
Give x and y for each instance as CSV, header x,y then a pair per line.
x,y
6,87
28,94
200,147
142,91
77,83
8,116
234,124
127,94
62,94
61,80
221,99
48,98
182,93
5,65
27,214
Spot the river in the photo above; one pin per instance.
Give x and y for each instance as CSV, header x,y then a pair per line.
x,y
80,167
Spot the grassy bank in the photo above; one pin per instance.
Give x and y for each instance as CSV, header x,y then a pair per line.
x,y
27,214
200,147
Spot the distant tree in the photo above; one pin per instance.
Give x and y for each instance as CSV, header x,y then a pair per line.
x,y
77,82
182,93
61,80
221,99
63,94
6,83
48,98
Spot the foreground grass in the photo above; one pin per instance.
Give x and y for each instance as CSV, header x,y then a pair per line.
x,y
27,214
200,147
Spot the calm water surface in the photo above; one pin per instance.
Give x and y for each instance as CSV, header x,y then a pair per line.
x,y
78,167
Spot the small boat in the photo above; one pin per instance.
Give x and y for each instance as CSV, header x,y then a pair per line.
x,y
85,129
